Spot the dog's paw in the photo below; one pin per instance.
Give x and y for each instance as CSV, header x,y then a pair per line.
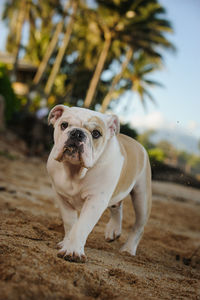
x,y
72,257
126,248
73,252
113,231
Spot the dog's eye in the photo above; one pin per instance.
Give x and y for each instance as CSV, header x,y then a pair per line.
x,y
96,134
63,125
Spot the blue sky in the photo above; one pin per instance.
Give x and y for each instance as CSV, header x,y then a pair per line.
x,y
179,102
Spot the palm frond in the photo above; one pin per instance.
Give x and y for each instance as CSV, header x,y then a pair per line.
x,y
153,83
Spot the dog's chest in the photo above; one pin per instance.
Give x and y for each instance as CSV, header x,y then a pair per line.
x,y
69,190
66,186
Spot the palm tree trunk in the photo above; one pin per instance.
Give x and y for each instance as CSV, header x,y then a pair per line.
x,y
40,71
61,51
116,79
19,26
97,73
49,51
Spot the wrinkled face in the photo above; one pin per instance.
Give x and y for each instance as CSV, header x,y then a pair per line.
x,y
81,135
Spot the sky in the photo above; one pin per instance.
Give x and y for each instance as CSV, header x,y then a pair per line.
x,y
178,103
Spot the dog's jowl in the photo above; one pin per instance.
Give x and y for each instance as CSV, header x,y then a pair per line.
x,y
92,166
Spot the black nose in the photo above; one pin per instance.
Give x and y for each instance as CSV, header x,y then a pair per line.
x,y
77,135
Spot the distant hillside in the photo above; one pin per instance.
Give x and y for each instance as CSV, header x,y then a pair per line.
x,y
178,139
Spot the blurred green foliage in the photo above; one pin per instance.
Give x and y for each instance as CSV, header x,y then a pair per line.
x,y
156,155
12,103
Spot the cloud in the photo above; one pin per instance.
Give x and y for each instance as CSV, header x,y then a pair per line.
x,y
157,121
154,120
193,125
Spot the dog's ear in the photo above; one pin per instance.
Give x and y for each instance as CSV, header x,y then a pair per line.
x,y
113,124
56,113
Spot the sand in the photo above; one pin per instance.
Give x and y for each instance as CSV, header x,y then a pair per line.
x,y
167,264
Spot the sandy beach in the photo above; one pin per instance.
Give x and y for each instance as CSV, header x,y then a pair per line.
x,y
167,264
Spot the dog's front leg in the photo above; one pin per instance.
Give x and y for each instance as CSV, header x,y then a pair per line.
x,y
68,214
73,247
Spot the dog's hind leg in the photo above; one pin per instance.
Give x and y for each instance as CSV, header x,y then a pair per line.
x,y
113,228
141,200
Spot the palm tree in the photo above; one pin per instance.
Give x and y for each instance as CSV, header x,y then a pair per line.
x,y
99,67
137,24
105,23
15,13
19,26
147,35
51,47
62,49
115,80
136,76
88,48
41,28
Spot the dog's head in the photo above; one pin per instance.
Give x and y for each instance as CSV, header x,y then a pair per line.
x,y
81,135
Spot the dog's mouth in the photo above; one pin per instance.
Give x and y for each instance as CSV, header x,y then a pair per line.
x,y
73,151
73,148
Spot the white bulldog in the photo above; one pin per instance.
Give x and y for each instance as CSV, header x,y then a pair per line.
x,y
93,167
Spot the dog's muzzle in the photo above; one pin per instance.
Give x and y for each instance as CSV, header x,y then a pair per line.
x,y
73,147
74,144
